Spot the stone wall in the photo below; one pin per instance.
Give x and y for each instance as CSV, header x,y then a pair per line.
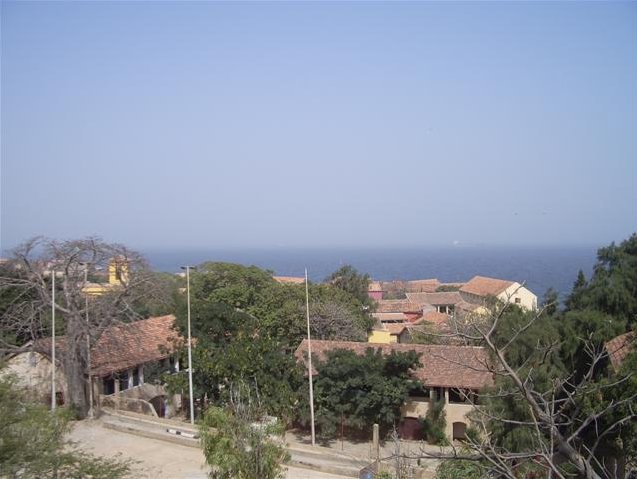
x,y
116,401
138,399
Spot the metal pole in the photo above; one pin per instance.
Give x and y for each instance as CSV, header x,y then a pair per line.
x,y
309,357
52,339
88,346
192,409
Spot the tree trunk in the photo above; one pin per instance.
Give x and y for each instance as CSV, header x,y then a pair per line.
x,y
75,367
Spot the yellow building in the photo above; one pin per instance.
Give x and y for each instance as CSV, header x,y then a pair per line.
x,y
389,333
451,374
118,274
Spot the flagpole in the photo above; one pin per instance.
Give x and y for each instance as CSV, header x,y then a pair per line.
x,y
309,356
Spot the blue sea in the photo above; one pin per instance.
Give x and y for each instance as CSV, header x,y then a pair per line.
x,y
538,267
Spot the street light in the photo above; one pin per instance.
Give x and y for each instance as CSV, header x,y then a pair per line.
x,y
52,339
309,358
192,409
88,342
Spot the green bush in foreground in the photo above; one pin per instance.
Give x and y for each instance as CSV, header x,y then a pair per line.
x,y
33,444
237,447
461,469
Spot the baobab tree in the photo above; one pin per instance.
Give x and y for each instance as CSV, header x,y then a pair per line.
x,y
84,309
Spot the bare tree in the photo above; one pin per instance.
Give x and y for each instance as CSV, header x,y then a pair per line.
x,y
332,320
556,412
84,309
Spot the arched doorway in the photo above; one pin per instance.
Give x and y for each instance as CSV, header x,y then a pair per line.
x,y
410,429
459,430
159,404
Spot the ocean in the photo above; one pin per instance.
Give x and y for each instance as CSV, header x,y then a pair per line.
x,y
538,268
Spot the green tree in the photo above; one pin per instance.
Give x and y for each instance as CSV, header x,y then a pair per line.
x,y
434,424
550,302
350,280
247,326
33,443
462,469
231,348
359,390
574,300
280,308
613,286
554,373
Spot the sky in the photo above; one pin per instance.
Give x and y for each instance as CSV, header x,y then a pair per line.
x,y
299,124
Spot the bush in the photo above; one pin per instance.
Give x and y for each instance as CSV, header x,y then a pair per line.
x,y
434,424
239,446
460,469
33,444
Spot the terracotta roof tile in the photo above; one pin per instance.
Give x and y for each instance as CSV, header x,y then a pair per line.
x,y
436,299
125,346
483,286
619,347
389,317
422,285
442,366
397,306
434,317
396,328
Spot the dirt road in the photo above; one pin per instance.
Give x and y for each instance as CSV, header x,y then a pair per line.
x,y
157,459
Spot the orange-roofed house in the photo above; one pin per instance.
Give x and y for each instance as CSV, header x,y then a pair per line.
x,y
480,288
386,333
119,360
448,373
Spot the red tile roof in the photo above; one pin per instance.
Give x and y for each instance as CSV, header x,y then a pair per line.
x,y
393,317
395,329
436,299
482,286
397,306
434,317
125,346
442,366
619,347
422,285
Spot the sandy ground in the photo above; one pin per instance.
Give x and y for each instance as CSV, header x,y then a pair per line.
x,y
157,459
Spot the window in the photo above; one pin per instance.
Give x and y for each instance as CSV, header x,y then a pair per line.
x,y
438,394
518,300
457,396
136,377
108,385
446,308
462,396
123,380
420,394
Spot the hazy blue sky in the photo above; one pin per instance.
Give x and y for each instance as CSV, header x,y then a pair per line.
x,y
319,124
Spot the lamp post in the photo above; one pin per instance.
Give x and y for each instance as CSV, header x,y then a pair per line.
x,y
309,358
192,409
88,343
52,340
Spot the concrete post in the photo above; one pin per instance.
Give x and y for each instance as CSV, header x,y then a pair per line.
x,y
375,442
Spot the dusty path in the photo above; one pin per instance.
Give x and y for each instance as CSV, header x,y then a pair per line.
x,y
157,459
